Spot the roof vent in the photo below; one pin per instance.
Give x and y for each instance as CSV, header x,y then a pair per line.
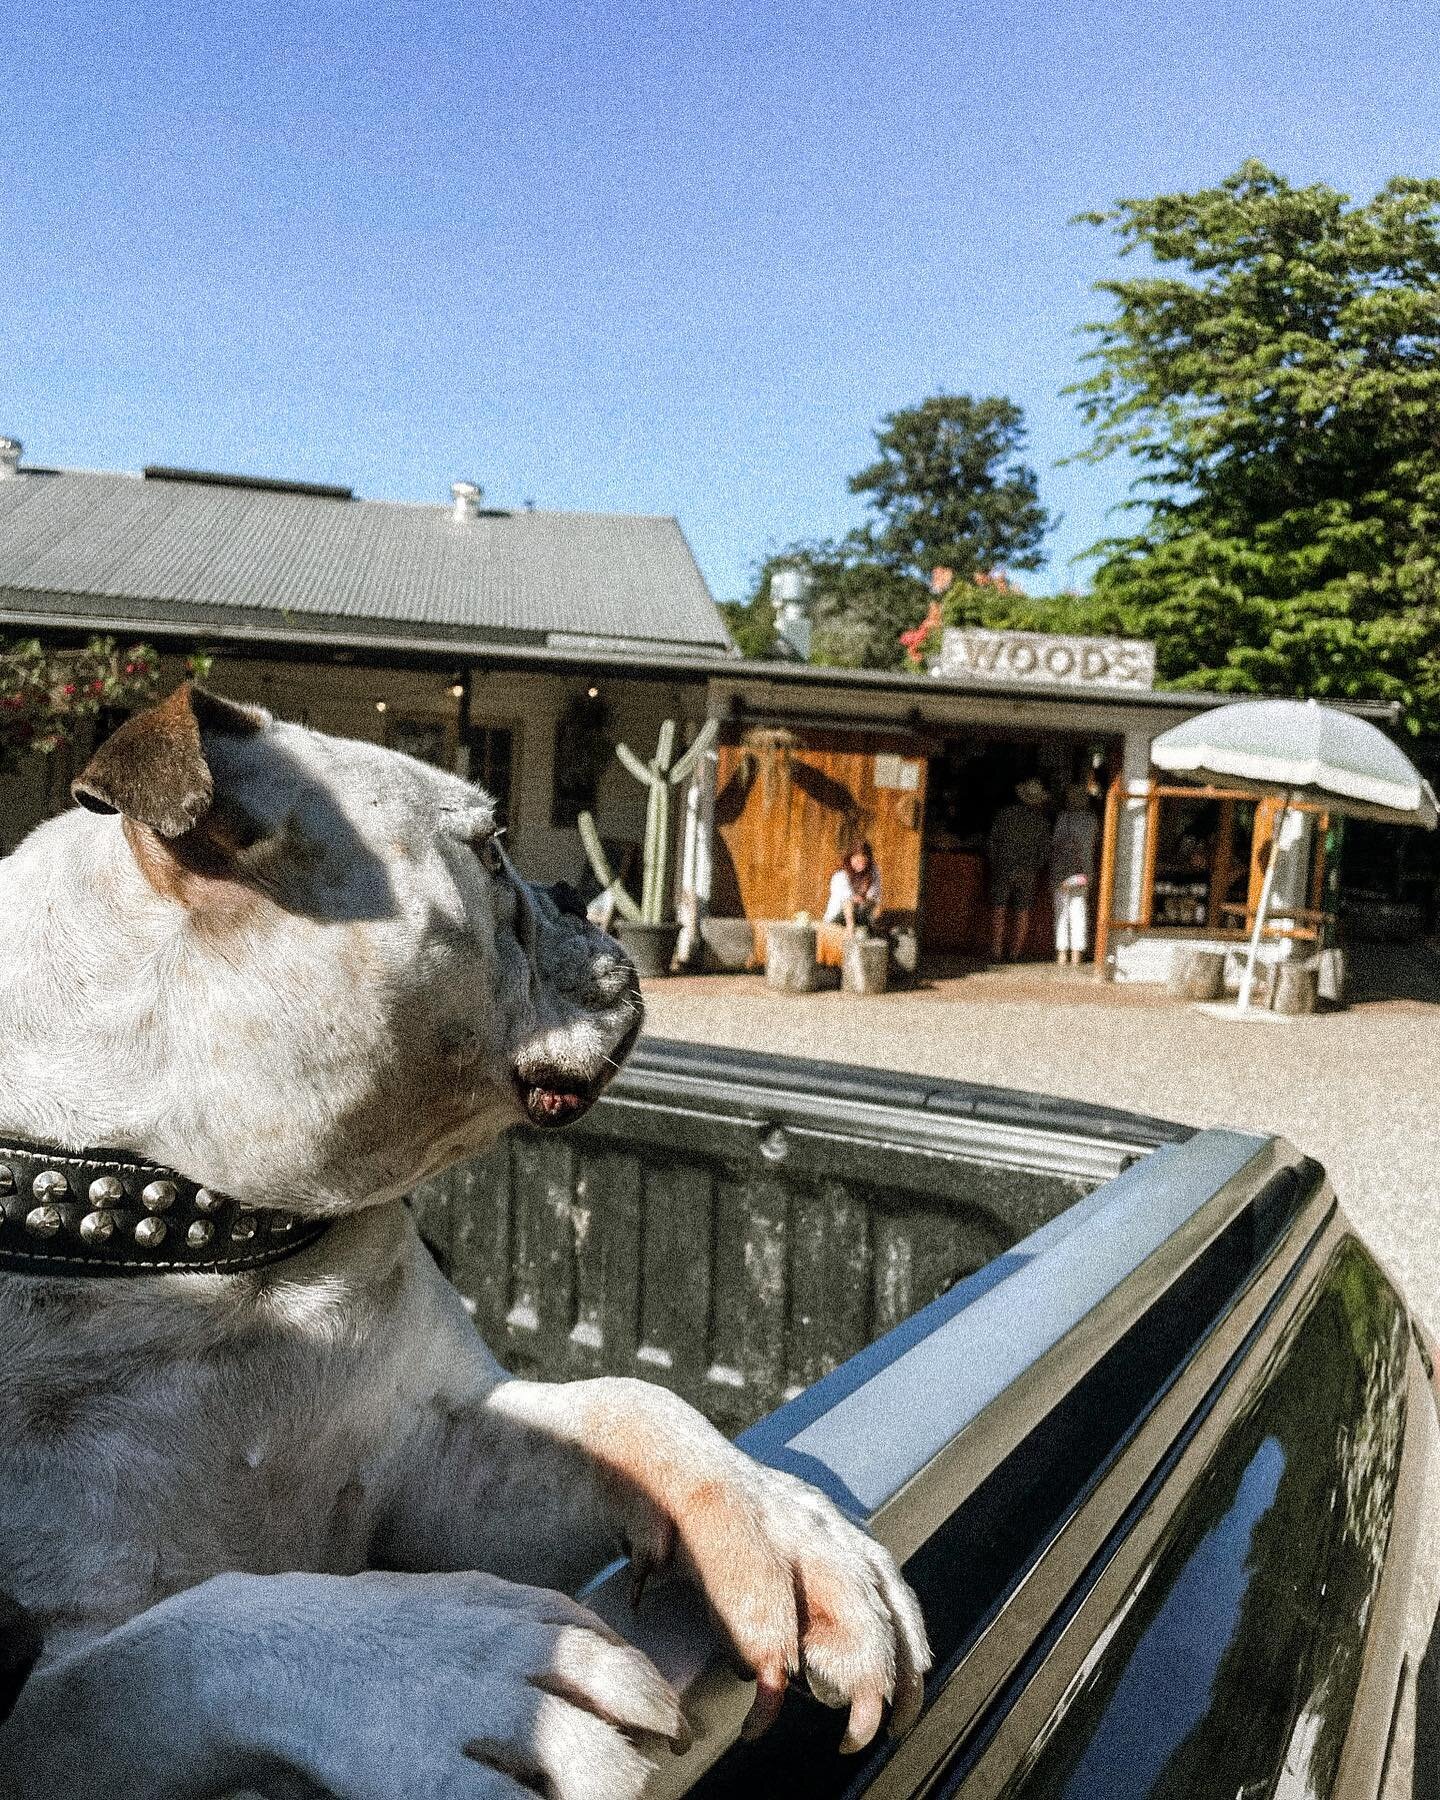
x,y
790,598
10,449
468,495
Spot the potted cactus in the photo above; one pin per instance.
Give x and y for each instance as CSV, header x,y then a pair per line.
x,y
647,934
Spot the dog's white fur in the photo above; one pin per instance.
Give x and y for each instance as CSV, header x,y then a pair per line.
x,y
315,993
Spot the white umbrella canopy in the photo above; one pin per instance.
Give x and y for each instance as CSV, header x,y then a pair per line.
x,y
1306,751
1301,751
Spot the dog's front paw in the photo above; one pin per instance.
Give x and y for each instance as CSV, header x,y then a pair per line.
x,y
801,1590
443,1687
792,1583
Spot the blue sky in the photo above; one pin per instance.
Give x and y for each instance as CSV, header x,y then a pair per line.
x,y
662,258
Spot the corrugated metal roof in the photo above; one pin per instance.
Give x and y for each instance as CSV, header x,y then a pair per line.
x,y
181,543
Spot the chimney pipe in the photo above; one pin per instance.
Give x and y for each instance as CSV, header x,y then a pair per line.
x,y
468,495
10,451
790,597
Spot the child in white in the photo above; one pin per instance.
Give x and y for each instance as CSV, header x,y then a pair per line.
x,y
1072,865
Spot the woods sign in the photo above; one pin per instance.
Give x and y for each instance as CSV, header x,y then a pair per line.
x,y
1038,658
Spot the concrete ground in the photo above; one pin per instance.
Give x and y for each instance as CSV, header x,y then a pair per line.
x,y
1356,1088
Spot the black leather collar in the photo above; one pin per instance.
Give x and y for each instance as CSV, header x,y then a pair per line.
x,y
102,1212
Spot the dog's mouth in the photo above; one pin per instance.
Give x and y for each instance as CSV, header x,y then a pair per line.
x,y
549,1098
549,1105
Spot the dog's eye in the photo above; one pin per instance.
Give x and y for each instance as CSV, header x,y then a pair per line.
x,y
488,850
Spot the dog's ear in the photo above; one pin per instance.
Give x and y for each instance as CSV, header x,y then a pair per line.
x,y
154,770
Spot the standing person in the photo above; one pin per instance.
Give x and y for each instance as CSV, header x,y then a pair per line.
x,y
1072,867
1019,848
854,889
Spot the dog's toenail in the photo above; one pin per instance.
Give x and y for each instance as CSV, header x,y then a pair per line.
x,y
199,1234
50,1184
97,1227
206,1202
150,1232
158,1196
106,1191
43,1221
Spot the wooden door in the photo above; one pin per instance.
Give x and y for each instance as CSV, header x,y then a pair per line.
x,y
789,802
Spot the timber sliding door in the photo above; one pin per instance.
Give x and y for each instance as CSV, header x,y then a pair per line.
x,y
789,801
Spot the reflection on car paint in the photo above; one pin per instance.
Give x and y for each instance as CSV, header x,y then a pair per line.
x,y
1227,1670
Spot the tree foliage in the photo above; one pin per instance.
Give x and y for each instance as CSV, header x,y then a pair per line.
x,y
48,695
859,606
1278,379
949,489
751,622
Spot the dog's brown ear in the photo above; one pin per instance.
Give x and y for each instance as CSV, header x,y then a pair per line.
x,y
154,769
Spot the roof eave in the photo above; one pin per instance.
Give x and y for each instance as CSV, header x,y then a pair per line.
x,y
34,611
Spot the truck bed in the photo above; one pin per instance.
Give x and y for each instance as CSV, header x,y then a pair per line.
x,y
736,1226
1150,1431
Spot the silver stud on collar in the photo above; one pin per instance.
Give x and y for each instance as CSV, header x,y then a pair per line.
x,y
7,1181
43,1221
244,1227
150,1233
199,1234
157,1197
206,1202
97,1227
106,1190
49,1184
281,1223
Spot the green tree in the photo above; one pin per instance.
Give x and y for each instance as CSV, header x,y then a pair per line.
x,y
859,606
751,622
950,489
1278,380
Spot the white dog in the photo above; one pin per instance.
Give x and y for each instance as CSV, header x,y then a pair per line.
x,y
279,979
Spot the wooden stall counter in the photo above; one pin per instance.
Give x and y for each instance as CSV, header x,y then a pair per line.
x,y
957,918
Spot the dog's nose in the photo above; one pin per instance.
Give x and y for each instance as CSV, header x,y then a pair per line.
x,y
565,899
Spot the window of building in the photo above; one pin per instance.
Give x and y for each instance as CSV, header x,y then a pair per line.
x,y
582,749
1205,856
1201,859
428,740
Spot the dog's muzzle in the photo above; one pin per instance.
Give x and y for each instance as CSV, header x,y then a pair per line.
x,y
550,1096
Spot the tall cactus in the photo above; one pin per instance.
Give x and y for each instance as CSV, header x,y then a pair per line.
x,y
660,776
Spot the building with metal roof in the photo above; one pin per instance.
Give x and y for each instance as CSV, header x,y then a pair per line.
x,y
188,550
520,647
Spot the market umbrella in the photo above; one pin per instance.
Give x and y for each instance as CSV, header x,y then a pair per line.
x,y
1301,751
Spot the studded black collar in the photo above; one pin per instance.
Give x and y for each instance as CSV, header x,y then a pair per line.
x,y
102,1212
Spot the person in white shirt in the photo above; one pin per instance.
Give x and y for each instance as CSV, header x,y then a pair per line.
x,y
1072,868
854,889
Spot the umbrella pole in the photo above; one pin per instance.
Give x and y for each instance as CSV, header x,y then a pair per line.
x,y
1247,980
